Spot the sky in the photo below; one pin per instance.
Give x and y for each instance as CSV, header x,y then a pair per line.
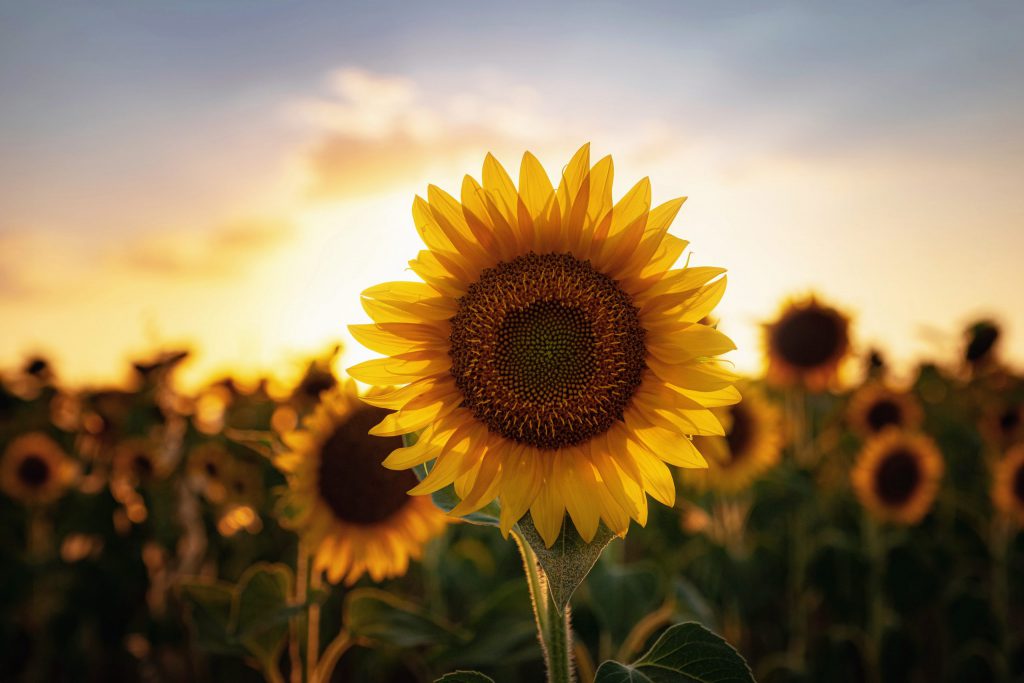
x,y
229,176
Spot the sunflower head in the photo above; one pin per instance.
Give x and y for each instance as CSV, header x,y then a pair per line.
x,y
207,470
751,445
353,514
981,340
875,407
1008,484
806,345
136,462
34,469
1003,423
551,357
897,476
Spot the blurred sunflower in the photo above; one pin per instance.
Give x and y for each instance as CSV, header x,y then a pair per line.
x,y
207,469
1003,424
875,407
34,469
1008,484
897,476
244,482
806,345
136,462
353,514
552,357
751,446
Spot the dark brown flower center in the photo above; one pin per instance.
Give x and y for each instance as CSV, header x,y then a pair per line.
x,y
884,413
33,471
809,337
546,350
352,481
741,434
897,477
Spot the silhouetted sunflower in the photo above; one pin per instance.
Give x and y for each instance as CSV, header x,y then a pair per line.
x,y
897,476
353,514
552,357
806,345
35,470
1008,484
751,446
875,407
982,338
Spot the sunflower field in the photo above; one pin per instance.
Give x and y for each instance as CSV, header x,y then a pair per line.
x,y
547,471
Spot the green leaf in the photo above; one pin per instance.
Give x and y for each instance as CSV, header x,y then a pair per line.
x,y
261,611
382,617
569,559
685,653
267,444
447,499
210,613
464,677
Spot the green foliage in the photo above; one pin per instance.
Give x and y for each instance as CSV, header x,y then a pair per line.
x,y
685,653
384,618
249,618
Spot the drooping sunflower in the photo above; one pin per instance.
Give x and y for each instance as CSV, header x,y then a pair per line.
x,y
353,514
35,470
897,476
806,345
750,447
1008,484
874,407
552,356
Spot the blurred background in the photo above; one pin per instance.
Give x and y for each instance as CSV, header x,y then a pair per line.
x,y
193,194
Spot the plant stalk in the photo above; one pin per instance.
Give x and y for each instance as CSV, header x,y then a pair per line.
x,y
553,629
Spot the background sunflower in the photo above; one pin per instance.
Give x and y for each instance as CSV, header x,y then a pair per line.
x,y
806,344
353,515
897,476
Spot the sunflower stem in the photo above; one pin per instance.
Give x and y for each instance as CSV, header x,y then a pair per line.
x,y
313,631
552,625
295,625
999,546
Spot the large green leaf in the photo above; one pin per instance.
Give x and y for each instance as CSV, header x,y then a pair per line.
x,y
569,559
464,677
260,613
685,653
382,617
447,499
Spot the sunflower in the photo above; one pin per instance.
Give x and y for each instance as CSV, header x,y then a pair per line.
x,y
136,462
207,469
1008,484
875,407
1003,424
35,470
552,357
897,475
750,447
354,514
806,345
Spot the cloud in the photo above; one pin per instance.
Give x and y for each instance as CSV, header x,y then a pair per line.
x,y
216,252
377,131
